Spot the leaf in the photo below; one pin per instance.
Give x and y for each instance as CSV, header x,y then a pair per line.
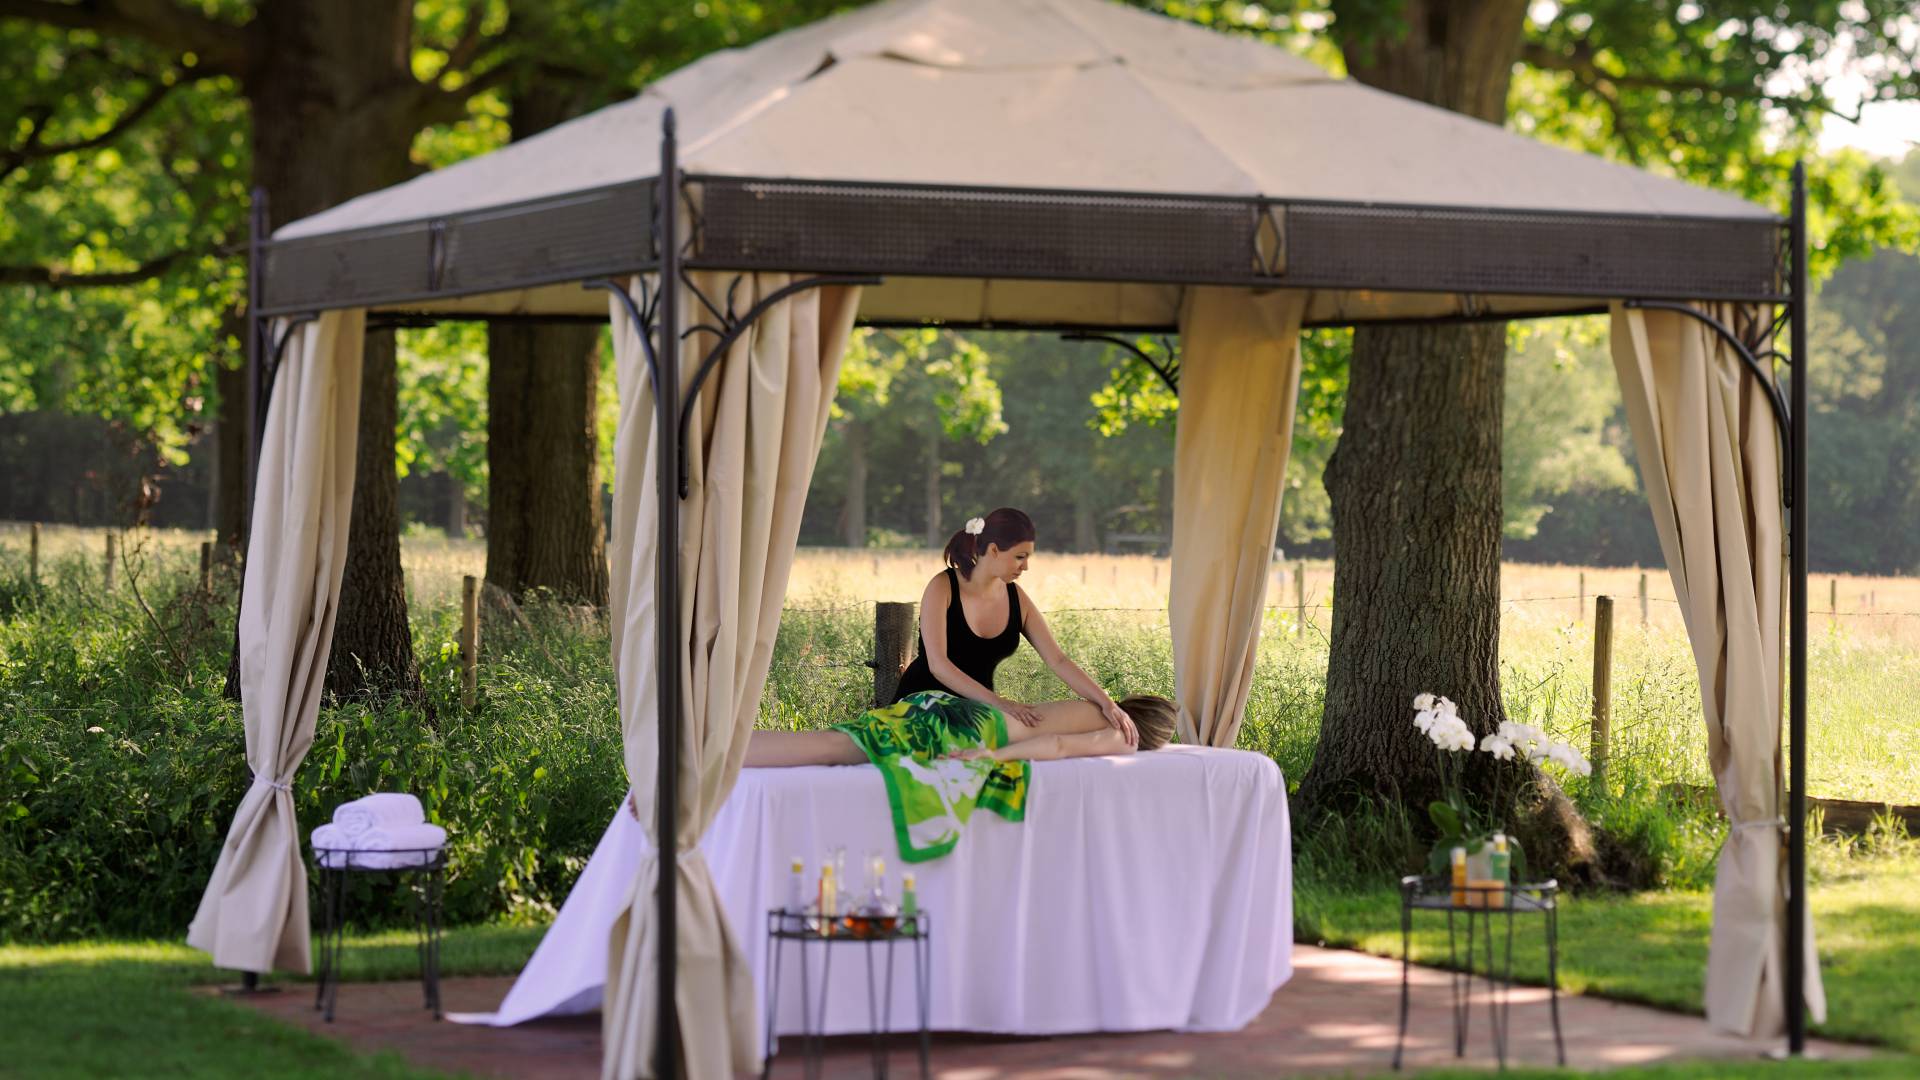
x,y
1446,819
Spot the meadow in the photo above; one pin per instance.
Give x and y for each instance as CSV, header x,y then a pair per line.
x,y
120,760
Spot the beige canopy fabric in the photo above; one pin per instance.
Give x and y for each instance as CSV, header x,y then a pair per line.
x,y
754,441
1710,461
1085,94
1239,381
253,916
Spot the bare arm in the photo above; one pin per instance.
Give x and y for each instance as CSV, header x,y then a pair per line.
x,y
1054,747
1034,626
933,632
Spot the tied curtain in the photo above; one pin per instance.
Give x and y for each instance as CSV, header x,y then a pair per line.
x,y
1239,381
253,916
755,435
1710,460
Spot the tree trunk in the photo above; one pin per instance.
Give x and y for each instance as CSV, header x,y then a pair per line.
x,y
1086,533
853,515
1415,487
1415,479
545,529
544,525
334,117
372,646
935,539
454,516
231,437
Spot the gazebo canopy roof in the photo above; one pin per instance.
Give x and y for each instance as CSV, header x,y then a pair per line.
x,y
973,150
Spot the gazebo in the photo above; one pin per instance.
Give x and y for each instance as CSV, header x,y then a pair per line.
x,y
1067,165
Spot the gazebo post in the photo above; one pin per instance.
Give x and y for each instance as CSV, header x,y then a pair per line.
x,y
256,233
1796,968
667,588
256,356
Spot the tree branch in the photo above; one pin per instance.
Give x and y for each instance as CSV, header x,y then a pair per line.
x,y
438,105
1583,66
33,149
60,279
461,56
219,47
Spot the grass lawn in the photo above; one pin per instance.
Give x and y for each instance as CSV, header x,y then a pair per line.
x,y
124,1008
1652,947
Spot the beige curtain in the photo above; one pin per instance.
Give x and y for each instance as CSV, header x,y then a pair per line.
x,y
1239,379
1710,460
755,437
253,916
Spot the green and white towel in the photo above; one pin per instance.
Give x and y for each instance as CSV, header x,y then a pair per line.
x,y
933,795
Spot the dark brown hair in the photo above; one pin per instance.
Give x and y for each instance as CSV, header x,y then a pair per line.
x,y
1155,717
1005,528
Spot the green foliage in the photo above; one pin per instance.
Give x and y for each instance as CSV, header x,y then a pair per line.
x,y
1558,431
925,369
443,404
120,767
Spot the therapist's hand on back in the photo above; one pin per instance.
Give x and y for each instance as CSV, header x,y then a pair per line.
x,y
1014,710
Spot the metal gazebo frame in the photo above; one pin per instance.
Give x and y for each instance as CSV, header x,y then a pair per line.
x,y
846,232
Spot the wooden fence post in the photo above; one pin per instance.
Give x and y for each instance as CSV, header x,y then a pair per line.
x,y
33,554
1643,598
893,636
206,567
1833,594
1602,689
1583,594
106,567
469,640
1300,596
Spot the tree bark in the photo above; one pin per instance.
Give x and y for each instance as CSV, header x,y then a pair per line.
x,y
1086,532
230,436
934,538
1415,487
853,515
334,116
372,646
454,506
1415,479
545,528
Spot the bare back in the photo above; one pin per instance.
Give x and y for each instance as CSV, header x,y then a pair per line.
x,y
1059,718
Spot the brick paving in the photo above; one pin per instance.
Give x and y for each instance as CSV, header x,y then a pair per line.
x,y
1337,1016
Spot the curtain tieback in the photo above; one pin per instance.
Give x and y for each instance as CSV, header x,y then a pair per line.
x,y
274,784
1761,823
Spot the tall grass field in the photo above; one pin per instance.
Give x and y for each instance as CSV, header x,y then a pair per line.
x,y
121,761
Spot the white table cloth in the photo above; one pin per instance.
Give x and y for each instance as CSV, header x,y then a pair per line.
x,y
1141,893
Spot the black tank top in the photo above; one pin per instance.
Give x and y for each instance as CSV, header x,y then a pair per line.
x,y
972,654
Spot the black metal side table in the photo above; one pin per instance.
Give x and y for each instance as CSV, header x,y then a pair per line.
x,y
1480,904
804,929
422,870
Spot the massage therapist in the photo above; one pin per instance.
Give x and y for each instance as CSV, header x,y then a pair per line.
x,y
973,614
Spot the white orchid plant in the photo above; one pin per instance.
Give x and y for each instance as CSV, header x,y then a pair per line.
x,y
1460,824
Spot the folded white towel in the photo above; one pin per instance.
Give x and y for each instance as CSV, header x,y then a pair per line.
x,y
372,811
378,849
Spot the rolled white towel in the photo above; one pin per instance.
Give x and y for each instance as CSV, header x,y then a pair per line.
x,y
401,838
374,811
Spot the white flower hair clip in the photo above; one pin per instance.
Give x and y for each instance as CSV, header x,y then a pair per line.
x,y
976,526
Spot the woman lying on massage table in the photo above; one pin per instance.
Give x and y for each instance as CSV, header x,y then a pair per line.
x,y
943,757
936,724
